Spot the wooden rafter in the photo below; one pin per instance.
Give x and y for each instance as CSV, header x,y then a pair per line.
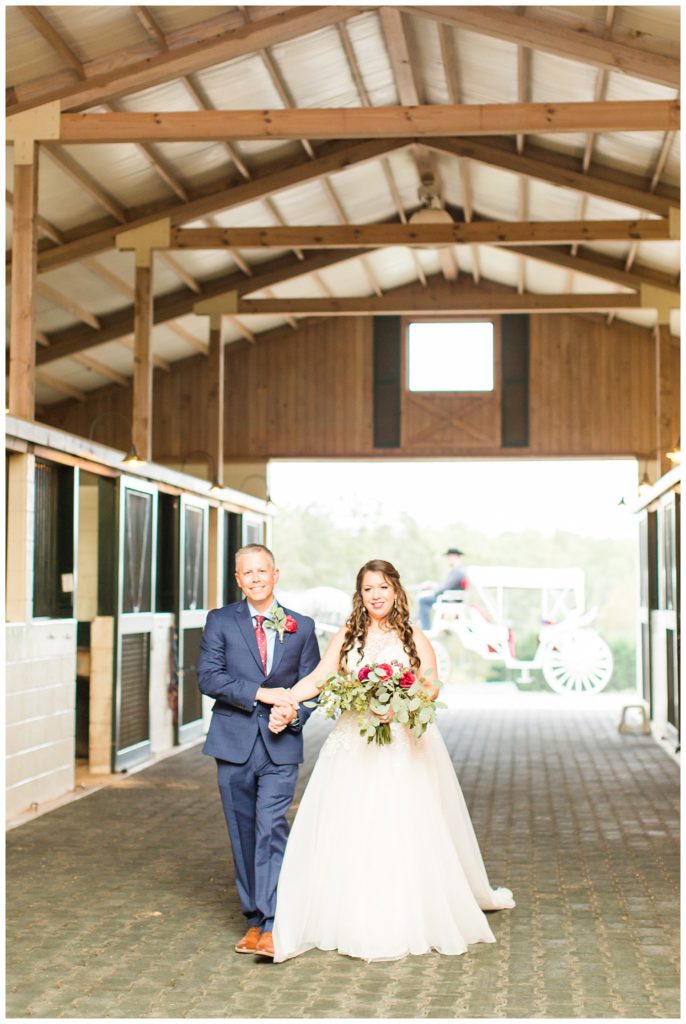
x,y
372,122
189,337
97,367
442,300
407,85
539,34
75,308
561,170
177,304
59,385
355,71
287,23
35,16
330,158
374,236
85,181
594,264
157,361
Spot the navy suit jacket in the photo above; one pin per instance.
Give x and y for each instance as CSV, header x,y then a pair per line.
x,y
230,670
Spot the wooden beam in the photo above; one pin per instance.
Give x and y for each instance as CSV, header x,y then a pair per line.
x,y
196,343
598,265
373,236
22,360
215,398
53,38
372,122
558,169
180,303
157,361
141,413
85,181
286,24
101,368
58,385
330,159
438,300
667,423
539,34
44,226
75,308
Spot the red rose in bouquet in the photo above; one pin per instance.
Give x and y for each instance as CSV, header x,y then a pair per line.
x,y
407,680
384,671
364,673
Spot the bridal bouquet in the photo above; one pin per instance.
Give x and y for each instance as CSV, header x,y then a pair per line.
x,y
371,690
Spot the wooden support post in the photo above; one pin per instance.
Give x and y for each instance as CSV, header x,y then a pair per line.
x,y
22,368
216,308
667,398
141,424
23,130
143,241
215,397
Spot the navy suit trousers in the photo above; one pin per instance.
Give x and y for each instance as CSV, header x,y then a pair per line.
x,y
256,797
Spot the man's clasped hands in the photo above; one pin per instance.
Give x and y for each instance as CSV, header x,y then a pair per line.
x,y
284,708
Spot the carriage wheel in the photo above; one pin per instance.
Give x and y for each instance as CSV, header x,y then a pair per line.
x,y
580,662
442,660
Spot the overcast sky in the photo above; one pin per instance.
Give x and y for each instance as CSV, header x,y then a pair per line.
x,y
496,496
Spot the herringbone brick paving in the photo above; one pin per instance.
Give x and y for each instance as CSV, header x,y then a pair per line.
x,y
122,904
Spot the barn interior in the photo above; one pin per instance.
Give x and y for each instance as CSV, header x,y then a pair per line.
x,y
221,224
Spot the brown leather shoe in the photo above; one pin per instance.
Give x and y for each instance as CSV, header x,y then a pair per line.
x,y
265,946
248,944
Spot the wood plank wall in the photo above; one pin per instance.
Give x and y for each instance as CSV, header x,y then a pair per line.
x,y
308,393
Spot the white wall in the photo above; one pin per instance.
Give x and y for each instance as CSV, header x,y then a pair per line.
x,y
41,674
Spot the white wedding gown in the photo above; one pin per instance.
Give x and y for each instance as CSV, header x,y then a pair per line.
x,y
382,859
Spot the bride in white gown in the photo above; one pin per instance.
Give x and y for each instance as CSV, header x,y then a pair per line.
x,y
382,859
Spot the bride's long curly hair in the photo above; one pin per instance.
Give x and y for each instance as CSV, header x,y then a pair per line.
x,y
357,626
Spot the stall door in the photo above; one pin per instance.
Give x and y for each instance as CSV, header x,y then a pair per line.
x,y
137,508
669,601
191,612
647,542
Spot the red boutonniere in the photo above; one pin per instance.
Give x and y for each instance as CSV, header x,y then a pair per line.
x,y
282,623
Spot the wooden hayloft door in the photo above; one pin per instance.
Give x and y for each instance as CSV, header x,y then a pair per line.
x,y
191,611
137,506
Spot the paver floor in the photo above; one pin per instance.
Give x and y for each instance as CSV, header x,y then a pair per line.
x,y
122,904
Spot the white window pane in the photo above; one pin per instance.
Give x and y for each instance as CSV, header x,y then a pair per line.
x,y
451,356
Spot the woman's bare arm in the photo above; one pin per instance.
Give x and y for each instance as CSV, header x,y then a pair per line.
x,y
307,686
427,660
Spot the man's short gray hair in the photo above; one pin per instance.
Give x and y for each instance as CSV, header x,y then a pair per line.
x,y
250,548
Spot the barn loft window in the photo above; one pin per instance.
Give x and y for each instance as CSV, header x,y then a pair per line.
x,y
451,356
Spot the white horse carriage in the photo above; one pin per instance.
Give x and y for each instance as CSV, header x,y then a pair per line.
x,y
573,658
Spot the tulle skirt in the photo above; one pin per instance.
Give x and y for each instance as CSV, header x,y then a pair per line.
x,y
382,860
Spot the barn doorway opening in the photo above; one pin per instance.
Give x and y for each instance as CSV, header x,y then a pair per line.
x,y
549,552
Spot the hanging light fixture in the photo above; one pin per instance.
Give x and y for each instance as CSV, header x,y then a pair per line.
x,y
215,487
675,455
431,210
132,458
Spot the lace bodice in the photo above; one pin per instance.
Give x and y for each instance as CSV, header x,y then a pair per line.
x,y
379,647
346,735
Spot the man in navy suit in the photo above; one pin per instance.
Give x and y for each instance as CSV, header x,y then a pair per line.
x,y
251,653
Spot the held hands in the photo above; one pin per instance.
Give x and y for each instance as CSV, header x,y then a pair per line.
x,y
387,717
281,715
284,707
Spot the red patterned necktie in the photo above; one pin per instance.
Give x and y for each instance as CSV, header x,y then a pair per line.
x,y
261,638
